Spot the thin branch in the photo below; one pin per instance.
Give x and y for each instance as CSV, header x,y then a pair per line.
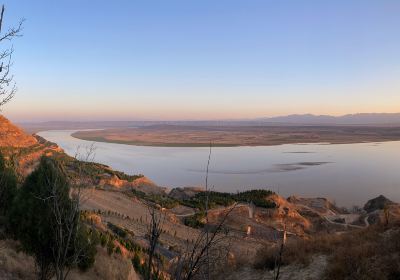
x,y
7,89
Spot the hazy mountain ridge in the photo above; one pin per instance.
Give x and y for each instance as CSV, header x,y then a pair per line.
x,y
362,119
349,119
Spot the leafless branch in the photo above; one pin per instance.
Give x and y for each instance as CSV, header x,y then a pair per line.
x,y
155,229
278,259
211,239
1,17
207,272
7,87
208,247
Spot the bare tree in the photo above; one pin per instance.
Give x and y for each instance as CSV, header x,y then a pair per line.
x,y
209,246
7,87
155,229
207,272
278,259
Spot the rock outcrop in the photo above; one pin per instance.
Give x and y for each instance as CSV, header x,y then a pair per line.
x,y
381,210
378,203
320,205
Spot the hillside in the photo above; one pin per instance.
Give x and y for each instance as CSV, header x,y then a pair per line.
x,y
13,136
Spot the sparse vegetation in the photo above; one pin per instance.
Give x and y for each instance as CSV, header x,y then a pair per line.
x,y
93,170
257,197
373,251
163,201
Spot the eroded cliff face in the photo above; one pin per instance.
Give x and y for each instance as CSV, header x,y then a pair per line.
x,y
20,148
143,184
13,136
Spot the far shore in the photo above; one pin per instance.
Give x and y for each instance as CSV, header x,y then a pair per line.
x,y
189,136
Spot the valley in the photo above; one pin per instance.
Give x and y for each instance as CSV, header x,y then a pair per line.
x,y
117,204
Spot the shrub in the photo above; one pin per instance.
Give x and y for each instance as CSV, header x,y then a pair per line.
x,y
88,241
8,187
117,230
258,197
110,247
195,221
371,252
103,240
136,262
33,220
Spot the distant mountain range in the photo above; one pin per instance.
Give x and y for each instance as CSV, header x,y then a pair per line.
x,y
350,119
364,119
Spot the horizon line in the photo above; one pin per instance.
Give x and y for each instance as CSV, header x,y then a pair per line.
x,y
262,118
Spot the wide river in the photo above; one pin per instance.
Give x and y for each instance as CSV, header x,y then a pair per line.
x,y
349,174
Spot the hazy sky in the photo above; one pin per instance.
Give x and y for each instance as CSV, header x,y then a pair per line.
x,y
204,59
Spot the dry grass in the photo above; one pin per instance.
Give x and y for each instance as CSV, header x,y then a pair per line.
x,y
13,264
107,267
298,251
372,253
19,266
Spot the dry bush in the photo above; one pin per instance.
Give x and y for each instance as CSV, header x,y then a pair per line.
x,y
297,251
107,267
14,264
372,253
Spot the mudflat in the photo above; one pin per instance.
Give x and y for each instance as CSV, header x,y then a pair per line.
x,y
227,136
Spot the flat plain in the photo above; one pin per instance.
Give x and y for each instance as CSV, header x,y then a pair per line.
x,y
227,136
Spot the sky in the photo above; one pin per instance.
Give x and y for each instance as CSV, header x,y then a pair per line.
x,y
204,59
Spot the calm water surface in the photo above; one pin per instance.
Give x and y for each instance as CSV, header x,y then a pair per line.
x,y
350,174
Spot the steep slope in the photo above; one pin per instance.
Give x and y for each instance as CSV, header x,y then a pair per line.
x,y
12,136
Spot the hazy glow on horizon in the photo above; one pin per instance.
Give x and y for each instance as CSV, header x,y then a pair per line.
x,y
86,60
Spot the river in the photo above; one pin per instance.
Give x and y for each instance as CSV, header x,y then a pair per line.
x,y
349,174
